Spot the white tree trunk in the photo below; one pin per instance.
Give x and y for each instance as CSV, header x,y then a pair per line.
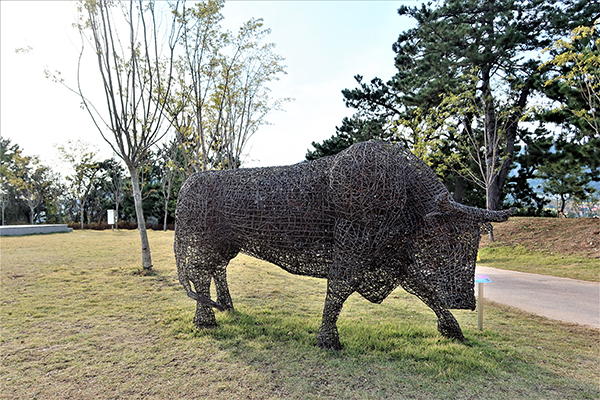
x,y
81,212
139,213
116,221
166,212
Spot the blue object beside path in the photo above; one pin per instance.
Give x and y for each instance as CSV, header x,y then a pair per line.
x,y
482,279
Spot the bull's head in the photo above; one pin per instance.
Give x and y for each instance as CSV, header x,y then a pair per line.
x,y
446,249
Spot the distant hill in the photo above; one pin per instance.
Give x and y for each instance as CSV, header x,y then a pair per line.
x,y
573,236
536,185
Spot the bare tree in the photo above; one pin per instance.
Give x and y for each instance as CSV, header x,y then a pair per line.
x,y
85,170
116,186
30,179
242,100
486,122
197,72
167,154
134,47
222,95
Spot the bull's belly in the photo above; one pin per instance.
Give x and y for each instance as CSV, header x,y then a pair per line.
x,y
314,260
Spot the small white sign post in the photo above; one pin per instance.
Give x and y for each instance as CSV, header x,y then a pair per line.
x,y
111,218
480,280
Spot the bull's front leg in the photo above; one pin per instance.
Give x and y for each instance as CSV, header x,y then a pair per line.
x,y
448,325
337,293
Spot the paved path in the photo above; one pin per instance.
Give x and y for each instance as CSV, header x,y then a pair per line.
x,y
563,299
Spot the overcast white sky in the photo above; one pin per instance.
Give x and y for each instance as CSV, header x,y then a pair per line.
x,y
325,43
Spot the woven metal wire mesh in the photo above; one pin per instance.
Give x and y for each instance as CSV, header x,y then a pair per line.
x,y
369,219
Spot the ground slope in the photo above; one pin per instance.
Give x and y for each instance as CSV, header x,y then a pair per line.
x,y
568,236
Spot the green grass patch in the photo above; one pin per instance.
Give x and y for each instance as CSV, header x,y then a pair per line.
x,y
78,321
518,258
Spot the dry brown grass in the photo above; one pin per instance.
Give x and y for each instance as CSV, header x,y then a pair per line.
x,y
565,247
555,236
77,322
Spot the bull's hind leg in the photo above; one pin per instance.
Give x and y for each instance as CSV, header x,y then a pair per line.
x,y
223,296
338,291
205,316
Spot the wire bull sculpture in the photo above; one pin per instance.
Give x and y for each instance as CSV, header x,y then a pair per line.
x,y
369,219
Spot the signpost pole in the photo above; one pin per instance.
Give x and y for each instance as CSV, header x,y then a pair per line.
x,y
480,280
480,306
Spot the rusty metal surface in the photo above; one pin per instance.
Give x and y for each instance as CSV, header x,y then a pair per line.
x,y
368,219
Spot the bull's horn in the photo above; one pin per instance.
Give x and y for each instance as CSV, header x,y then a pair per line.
x,y
446,204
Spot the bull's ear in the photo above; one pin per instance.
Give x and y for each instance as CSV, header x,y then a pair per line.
x,y
444,202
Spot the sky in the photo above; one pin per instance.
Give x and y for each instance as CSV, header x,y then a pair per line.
x,y
324,43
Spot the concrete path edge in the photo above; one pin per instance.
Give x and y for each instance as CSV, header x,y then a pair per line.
x,y
563,299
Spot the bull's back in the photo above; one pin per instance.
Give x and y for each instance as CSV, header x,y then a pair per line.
x,y
278,214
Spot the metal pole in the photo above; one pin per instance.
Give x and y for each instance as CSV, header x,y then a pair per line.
x,y
480,306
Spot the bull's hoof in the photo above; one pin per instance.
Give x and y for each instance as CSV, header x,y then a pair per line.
x,y
205,326
329,345
450,329
329,339
205,323
454,336
225,306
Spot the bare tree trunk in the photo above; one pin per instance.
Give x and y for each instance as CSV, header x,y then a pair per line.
x,y
116,221
459,189
489,196
81,213
166,211
492,200
561,213
139,213
3,200
167,197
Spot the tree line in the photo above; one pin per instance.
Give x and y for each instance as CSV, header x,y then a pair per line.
x,y
491,93
32,193
170,66
498,96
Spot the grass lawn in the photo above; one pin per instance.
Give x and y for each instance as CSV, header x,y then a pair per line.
x,y
78,322
519,258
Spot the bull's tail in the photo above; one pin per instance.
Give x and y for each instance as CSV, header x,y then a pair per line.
x,y
185,282
204,300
